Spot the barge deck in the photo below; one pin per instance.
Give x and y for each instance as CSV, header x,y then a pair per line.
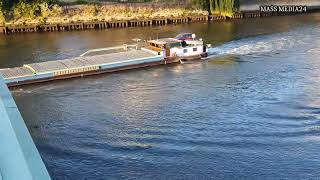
x,y
80,66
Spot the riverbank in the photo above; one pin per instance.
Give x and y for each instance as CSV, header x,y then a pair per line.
x,y
43,13
32,17
41,17
106,24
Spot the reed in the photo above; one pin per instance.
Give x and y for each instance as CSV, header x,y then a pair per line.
x,y
224,7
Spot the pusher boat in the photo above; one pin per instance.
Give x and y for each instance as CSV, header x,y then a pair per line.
x,y
183,47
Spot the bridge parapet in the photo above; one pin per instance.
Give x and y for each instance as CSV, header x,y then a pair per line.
x,y
19,158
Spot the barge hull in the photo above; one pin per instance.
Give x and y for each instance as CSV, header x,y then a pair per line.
x,y
79,66
95,72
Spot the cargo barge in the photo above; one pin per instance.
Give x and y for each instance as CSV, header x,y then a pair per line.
x,y
183,47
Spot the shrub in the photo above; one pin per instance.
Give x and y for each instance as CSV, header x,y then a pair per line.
x,y
90,10
2,19
25,10
56,10
44,9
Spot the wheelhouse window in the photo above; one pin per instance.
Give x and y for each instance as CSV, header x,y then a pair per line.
x,y
177,44
195,49
185,50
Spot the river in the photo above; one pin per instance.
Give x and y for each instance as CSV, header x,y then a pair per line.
x,y
252,111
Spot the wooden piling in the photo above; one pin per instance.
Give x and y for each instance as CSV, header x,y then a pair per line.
x,y
88,25
116,24
237,15
71,26
48,27
252,14
216,17
177,20
20,29
3,29
159,21
199,18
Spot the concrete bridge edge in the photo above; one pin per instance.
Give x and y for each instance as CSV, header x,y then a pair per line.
x,y
19,157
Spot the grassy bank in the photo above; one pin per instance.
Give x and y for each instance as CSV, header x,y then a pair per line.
x,y
52,11
41,13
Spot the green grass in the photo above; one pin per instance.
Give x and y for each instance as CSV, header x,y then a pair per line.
x,y
41,12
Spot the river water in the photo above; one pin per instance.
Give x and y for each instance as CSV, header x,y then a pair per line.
x,y
252,111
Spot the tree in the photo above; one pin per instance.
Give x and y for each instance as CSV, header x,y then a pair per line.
x,y
226,7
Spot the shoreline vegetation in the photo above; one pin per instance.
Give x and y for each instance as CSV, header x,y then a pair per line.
x,y
25,12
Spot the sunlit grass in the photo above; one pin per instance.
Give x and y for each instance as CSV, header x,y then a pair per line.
x,y
2,20
41,13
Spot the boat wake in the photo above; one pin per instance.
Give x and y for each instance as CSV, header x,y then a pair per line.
x,y
262,44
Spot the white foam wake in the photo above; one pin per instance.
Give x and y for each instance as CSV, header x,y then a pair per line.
x,y
261,44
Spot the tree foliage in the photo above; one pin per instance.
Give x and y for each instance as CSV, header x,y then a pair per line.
x,y
226,7
8,5
28,10
25,9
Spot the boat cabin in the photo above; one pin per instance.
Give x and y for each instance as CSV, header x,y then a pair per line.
x,y
184,45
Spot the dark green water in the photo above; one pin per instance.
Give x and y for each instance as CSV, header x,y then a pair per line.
x,y
251,112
